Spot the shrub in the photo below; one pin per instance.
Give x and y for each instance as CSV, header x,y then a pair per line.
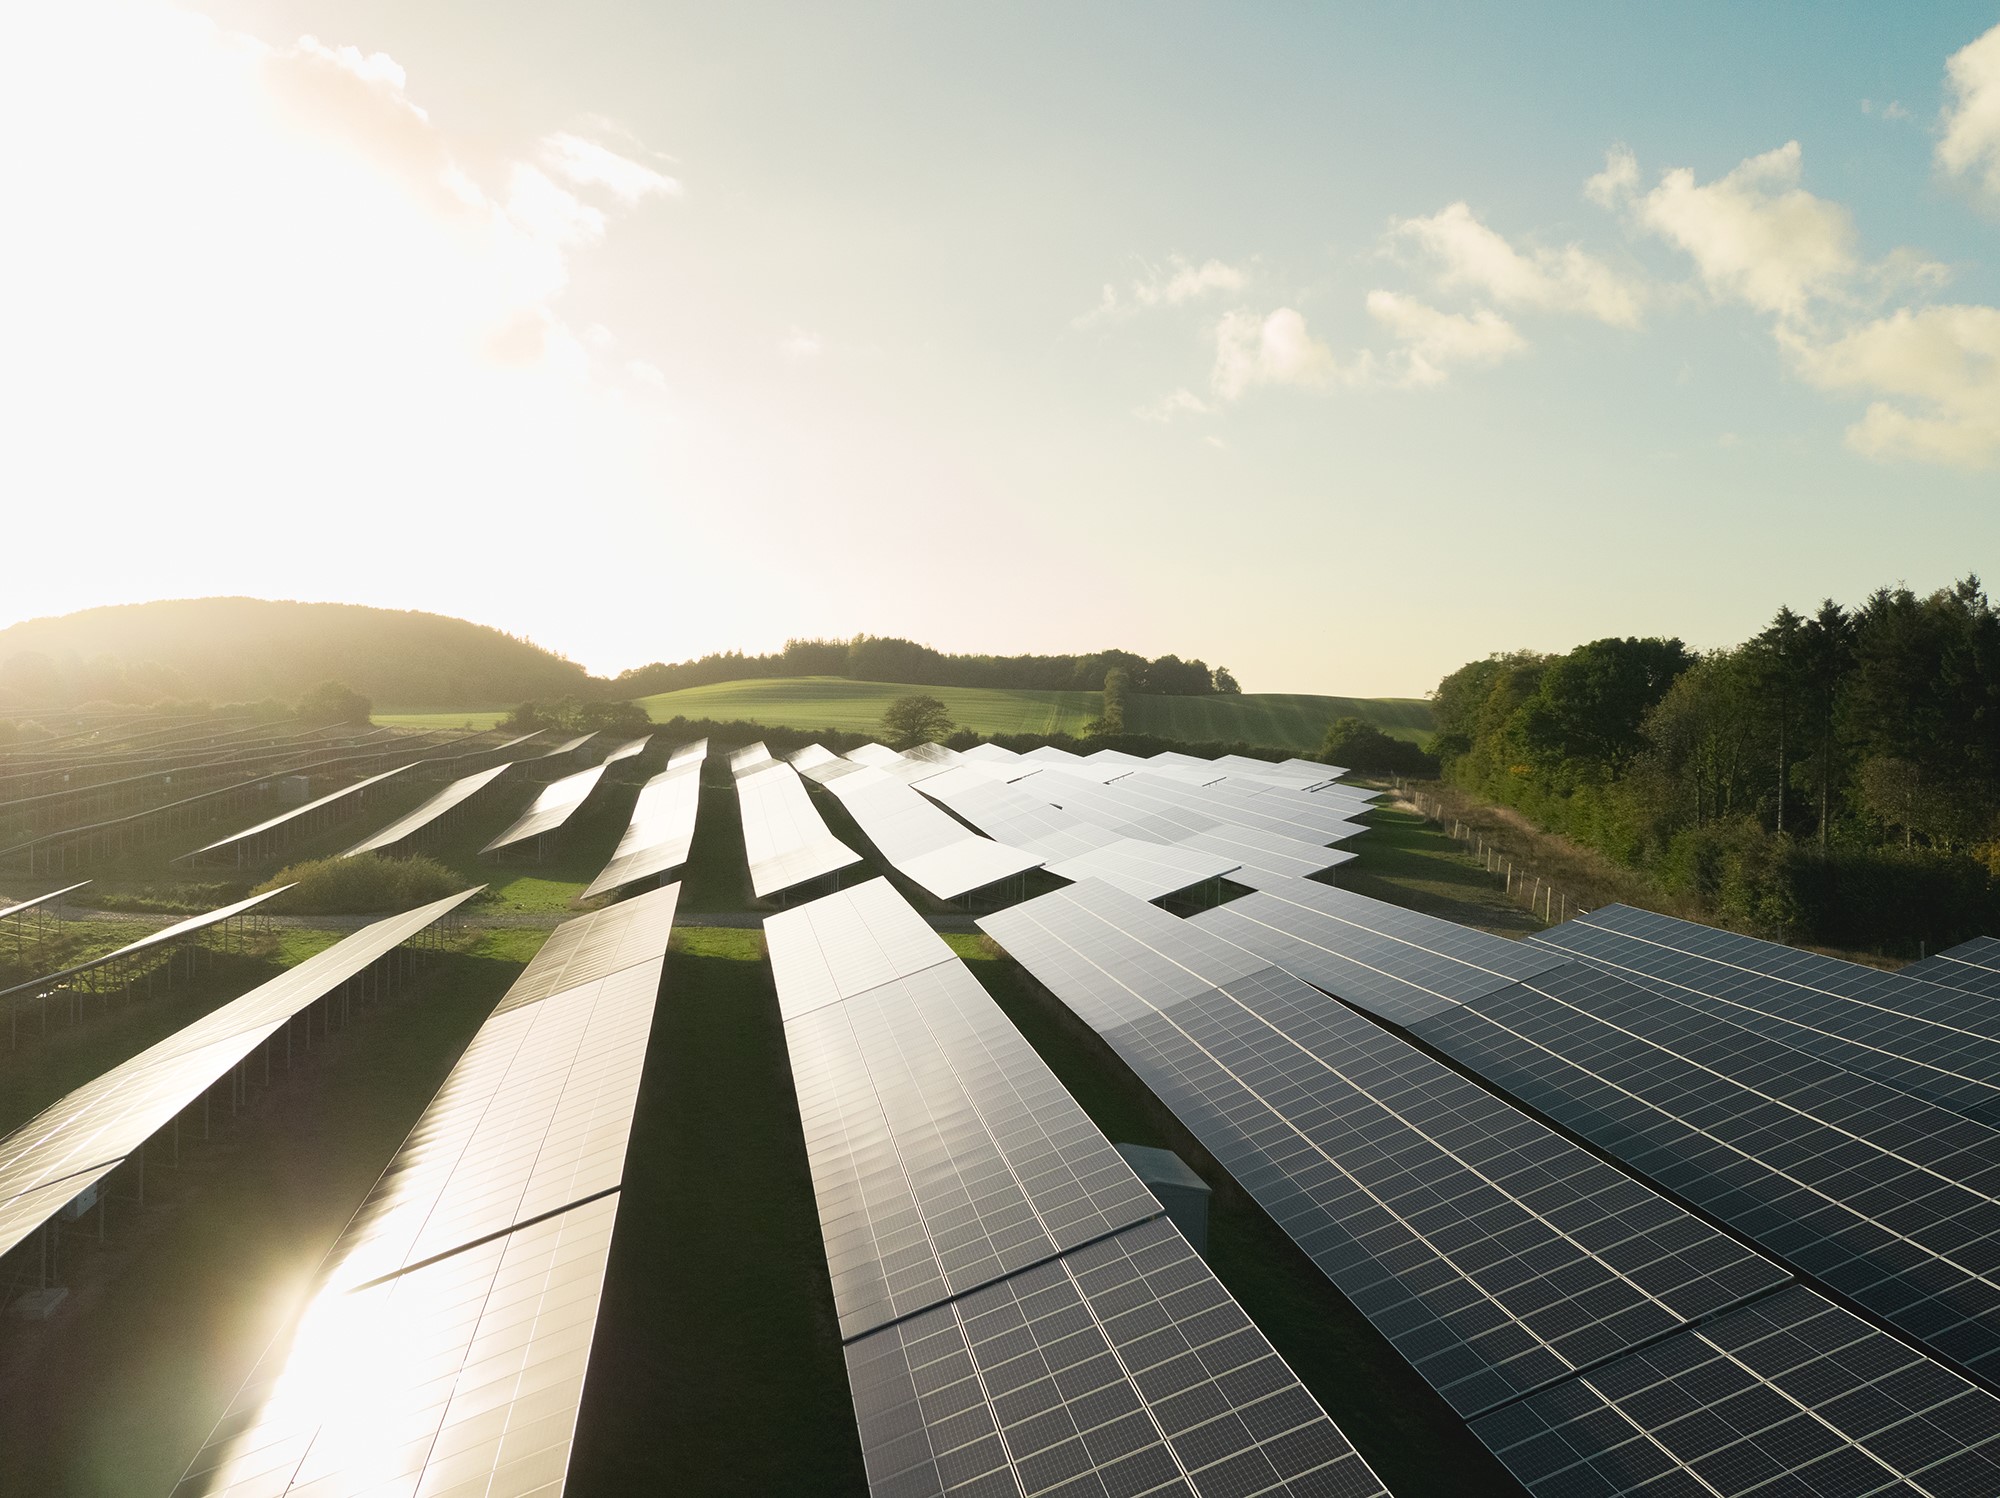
x,y
362,885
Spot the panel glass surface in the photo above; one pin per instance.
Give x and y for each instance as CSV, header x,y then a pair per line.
x,y
554,805
660,832
456,794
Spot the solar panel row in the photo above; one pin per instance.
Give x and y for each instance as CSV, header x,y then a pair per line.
x,y
921,842
446,1344
661,830
786,842
1019,1316
1786,1393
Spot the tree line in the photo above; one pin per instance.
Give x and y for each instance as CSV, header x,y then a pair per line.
x,y
888,658
1833,779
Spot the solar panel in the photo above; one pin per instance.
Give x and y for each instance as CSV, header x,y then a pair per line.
x,y
812,755
847,943
1019,1315
101,1123
554,805
452,796
1315,823
660,832
750,758
1969,966
692,753
568,746
448,1337
269,823
1880,1196
945,1155
873,754
151,940
921,842
594,945
1788,1396
1929,1039
1072,848
1493,1254
8,912
783,836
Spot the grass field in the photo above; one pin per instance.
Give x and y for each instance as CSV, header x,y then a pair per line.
x,y
1279,720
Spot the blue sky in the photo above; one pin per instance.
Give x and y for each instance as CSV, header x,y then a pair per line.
x,y
1338,345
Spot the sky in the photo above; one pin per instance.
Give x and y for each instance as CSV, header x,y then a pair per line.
x,y
1335,344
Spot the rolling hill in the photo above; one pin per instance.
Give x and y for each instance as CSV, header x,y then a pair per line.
x,y
245,649
1278,720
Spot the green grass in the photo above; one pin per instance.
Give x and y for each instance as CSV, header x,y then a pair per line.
x,y
1407,861
1278,720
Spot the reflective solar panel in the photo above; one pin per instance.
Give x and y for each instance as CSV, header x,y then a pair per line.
x,y
1121,1368
921,842
107,1119
453,795
553,806
1020,1317
873,754
445,1347
7,912
1496,1256
294,813
783,837
1788,1396
590,946
1931,1040
1313,822
1957,971
692,753
847,943
944,1153
630,749
660,832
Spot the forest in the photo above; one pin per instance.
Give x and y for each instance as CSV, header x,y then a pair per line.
x,y
1834,779
887,658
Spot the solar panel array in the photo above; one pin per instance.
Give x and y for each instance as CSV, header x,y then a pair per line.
x,y
449,799
1493,1254
1930,1039
1880,1196
86,1135
1071,848
1261,858
661,830
1972,965
152,940
1786,1383
1019,1316
926,846
269,824
448,1337
783,836
553,806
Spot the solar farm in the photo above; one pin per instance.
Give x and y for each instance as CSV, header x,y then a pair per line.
x,y
934,1122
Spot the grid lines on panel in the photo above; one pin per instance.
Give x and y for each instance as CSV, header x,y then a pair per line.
x,y
1493,1254
1786,1398
1123,1368
944,1152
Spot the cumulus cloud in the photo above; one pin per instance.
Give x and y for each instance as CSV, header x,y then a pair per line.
x,y
1275,349
585,163
1470,254
1889,111
1755,234
1969,128
1620,176
800,345
1177,282
1435,342
1939,368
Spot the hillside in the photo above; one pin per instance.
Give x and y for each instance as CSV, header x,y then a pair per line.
x,y
245,649
1279,720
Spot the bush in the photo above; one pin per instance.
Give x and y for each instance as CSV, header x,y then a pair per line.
x,y
365,884
1359,745
334,702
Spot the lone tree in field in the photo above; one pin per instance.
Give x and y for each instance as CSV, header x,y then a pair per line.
x,y
916,719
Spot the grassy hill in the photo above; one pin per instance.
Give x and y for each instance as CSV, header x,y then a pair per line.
x,y
1280,720
245,649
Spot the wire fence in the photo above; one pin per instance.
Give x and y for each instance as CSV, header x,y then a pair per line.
x,y
1524,883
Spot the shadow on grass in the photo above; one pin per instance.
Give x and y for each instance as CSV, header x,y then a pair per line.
x,y
717,1366
1405,860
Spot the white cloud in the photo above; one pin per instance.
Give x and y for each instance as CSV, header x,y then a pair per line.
x,y
1272,350
551,213
1182,402
1969,138
1178,282
646,374
1890,111
1619,177
1755,235
1939,368
585,163
1469,254
1435,342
